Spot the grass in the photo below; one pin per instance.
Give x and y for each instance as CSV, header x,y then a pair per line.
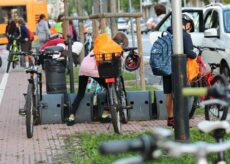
x,y
76,72
82,148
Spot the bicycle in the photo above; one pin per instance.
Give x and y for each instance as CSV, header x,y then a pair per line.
x,y
207,79
109,67
13,57
153,146
33,96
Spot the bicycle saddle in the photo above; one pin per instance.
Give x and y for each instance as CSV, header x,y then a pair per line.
x,y
54,49
209,126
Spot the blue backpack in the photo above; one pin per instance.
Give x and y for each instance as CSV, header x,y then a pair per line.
x,y
160,57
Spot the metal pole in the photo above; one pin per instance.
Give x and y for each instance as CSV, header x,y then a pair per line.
x,y
113,22
81,27
66,22
119,6
133,43
181,115
141,6
70,57
131,20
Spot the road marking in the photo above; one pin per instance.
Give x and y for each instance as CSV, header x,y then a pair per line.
x,y
3,86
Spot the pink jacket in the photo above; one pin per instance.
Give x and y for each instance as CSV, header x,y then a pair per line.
x,y
88,66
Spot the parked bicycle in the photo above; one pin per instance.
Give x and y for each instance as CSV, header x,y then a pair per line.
x,y
160,143
33,96
109,67
206,79
13,57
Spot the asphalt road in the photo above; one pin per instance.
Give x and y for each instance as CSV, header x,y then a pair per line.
x,y
146,48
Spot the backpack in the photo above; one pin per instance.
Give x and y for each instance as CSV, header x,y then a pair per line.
x,y
160,57
31,35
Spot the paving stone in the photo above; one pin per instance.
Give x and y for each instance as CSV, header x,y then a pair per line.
x,y
47,142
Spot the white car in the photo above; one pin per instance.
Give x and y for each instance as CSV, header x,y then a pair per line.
x,y
212,29
122,24
142,26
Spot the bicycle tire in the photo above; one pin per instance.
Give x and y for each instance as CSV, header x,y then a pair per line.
x,y
13,64
123,99
9,62
115,113
196,100
37,101
29,111
217,112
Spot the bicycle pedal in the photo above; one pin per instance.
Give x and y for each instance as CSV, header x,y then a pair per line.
x,y
22,112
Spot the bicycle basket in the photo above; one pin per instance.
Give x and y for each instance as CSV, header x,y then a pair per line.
x,y
109,65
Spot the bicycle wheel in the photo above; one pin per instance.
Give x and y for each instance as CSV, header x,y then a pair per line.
x,y
10,57
195,100
123,100
29,111
37,101
13,64
115,112
217,112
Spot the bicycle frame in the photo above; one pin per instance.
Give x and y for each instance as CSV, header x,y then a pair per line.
x,y
13,57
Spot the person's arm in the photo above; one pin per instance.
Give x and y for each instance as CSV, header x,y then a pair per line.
x,y
188,46
47,29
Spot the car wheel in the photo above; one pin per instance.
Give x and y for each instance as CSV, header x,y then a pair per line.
x,y
225,71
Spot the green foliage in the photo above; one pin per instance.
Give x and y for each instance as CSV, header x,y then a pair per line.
x,y
129,75
226,1
75,72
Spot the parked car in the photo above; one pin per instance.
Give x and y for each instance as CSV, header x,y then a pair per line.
x,y
212,29
122,24
142,26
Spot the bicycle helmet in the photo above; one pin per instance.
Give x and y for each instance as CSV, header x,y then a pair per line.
x,y
186,17
132,61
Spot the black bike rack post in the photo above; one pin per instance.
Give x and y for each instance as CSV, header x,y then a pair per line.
x,y
70,66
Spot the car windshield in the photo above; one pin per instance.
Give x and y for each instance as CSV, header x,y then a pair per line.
x,y
227,21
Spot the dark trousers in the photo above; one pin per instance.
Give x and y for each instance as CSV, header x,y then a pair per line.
x,y
82,83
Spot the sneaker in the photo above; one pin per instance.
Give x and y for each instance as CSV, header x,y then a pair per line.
x,y
106,117
170,122
70,121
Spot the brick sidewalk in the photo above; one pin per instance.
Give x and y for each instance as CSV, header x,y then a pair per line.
x,y
47,142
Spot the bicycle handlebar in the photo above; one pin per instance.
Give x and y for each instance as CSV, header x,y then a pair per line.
x,y
195,91
203,91
200,149
144,144
130,160
129,49
152,148
115,147
200,48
